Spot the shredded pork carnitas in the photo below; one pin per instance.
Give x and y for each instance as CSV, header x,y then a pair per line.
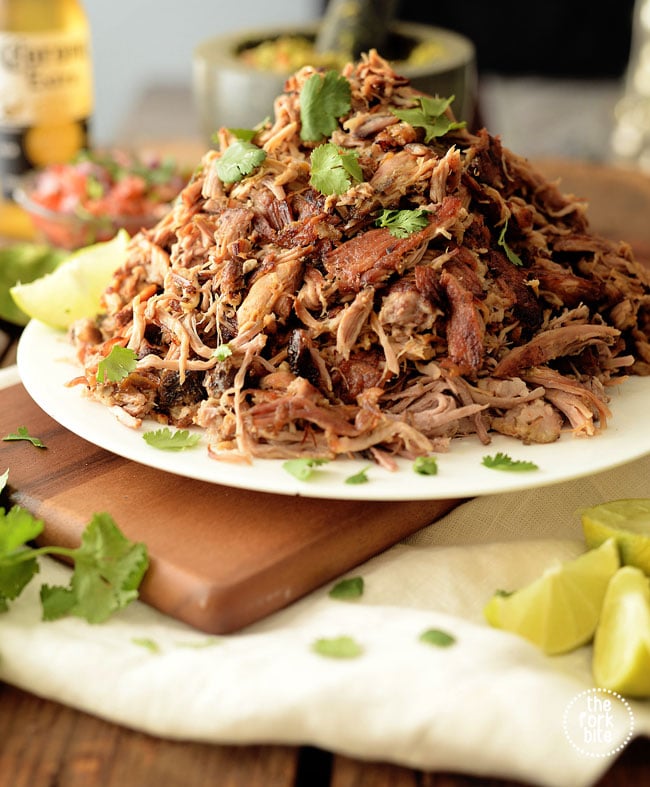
x,y
502,313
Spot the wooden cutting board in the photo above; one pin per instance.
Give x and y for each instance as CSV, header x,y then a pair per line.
x,y
220,558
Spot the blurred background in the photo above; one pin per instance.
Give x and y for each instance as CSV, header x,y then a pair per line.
x,y
140,46
550,74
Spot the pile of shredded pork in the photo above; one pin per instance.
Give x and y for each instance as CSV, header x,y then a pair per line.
x,y
287,323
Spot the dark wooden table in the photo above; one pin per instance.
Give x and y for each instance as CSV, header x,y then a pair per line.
x,y
45,744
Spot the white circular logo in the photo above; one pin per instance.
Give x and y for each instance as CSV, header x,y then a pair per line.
x,y
598,722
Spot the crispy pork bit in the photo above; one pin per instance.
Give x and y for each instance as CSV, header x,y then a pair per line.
x,y
289,322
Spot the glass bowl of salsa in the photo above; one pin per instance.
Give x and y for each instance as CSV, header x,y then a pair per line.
x,y
90,198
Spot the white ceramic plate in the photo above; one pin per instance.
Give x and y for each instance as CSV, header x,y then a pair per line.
x,y
46,363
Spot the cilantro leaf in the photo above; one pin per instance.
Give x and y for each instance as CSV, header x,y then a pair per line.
x,y
208,642
426,465
347,588
337,647
222,352
239,160
145,642
501,461
332,170
57,602
17,565
302,469
437,637
117,365
402,223
16,527
323,100
430,115
358,478
22,434
512,256
14,578
245,134
108,569
166,440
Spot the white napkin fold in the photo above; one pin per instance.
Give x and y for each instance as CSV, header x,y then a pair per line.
x,y
491,704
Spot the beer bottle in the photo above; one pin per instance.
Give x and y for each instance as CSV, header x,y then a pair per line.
x,y
46,92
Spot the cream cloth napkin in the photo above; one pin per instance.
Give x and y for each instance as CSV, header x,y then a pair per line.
x,y
491,704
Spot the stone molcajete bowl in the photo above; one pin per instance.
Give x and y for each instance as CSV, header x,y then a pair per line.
x,y
231,92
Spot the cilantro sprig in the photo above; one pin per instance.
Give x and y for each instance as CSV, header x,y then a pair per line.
x,y
430,114
347,589
147,643
324,99
402,223
343,647
425,465
22,433
244,134
166,440
501,461
438,638
358,478
117,365
302,469
239,160
108,568
333,170
222,352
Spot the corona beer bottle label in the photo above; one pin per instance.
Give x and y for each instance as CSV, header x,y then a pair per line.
x,y
45,100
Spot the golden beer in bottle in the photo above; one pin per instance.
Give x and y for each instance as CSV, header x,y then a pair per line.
x,y
46,90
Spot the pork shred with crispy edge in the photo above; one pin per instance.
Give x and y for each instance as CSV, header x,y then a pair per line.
x,y
335,336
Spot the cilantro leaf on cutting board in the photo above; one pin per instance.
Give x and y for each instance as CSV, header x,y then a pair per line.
x,y
108,567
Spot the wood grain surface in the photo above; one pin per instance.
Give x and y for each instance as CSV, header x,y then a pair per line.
x,y
44,744
220,558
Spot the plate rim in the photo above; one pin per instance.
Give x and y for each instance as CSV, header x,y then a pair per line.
x,y
45,360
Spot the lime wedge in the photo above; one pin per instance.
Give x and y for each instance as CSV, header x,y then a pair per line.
x,y
560,610
621,660
73,290
628,522
23,262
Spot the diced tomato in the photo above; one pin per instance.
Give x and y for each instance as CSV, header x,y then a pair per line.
x,y
109,185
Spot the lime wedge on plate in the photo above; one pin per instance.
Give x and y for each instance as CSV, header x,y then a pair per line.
x,y
621,660
560,610
628,522
73,290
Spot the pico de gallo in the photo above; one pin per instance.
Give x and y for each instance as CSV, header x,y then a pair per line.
x,y
90,198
